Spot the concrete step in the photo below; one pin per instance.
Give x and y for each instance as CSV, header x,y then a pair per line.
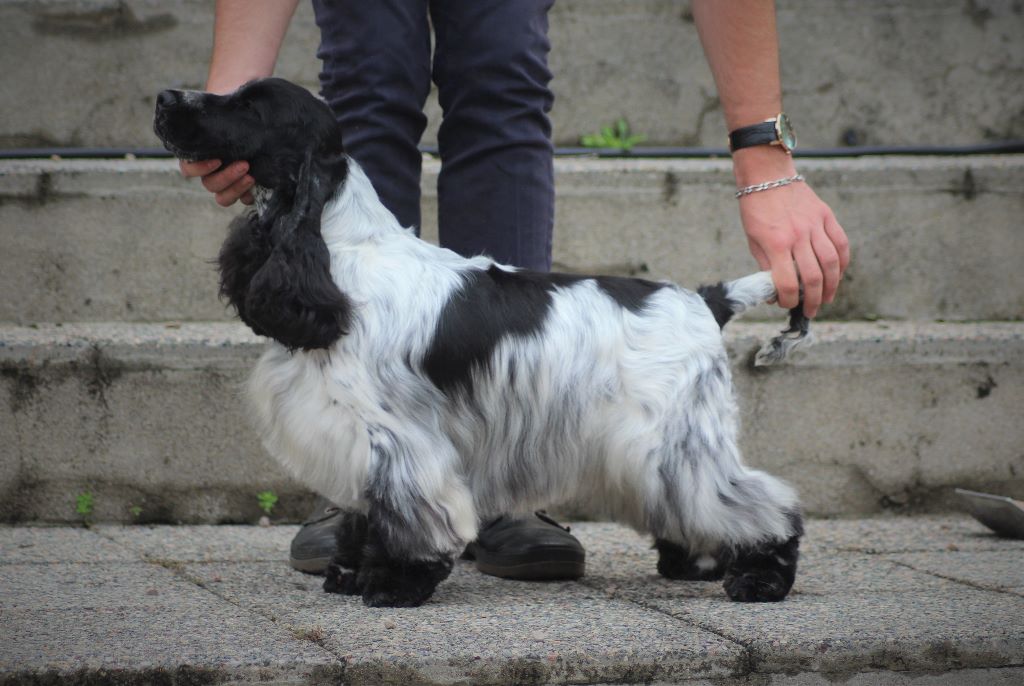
x,y
933,237
931,72
875,416
896,601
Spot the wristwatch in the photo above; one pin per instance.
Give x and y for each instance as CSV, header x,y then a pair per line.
x,y
775,131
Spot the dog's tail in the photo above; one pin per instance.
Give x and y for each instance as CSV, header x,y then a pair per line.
x,y
733,297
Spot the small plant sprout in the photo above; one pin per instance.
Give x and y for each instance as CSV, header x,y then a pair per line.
x,y
135,510
84,503
267,500
616,137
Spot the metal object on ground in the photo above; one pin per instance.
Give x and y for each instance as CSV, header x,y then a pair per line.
x,y
1003,515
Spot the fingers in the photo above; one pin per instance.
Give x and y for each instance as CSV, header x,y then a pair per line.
x,y
201,168
238,189
228,184
786,283
839,240
828,260
810,276
759,254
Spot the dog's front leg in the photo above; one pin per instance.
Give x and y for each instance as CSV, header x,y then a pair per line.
x,y
420,515
342,572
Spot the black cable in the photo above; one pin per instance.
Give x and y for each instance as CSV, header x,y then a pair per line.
x,y
665,152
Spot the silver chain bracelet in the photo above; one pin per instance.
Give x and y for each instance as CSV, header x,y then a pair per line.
x,y
768,185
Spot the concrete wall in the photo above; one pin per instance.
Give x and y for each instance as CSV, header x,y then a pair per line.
x,y
85,72
933,238
873,417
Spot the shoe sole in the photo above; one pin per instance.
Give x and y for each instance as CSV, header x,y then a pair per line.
x,y
543,570
312,565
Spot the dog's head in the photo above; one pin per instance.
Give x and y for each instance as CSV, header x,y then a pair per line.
x,y
270,123
274,266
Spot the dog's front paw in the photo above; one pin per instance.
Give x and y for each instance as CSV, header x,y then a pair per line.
x,y
756,587
341,580
382,587
394,583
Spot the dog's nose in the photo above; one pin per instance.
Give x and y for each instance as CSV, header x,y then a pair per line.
x,y
166,98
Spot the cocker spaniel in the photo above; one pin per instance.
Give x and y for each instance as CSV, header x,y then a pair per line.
x,y
425,392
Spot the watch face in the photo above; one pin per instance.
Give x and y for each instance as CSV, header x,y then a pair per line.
x,y
787,136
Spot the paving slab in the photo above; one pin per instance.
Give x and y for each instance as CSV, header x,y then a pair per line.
x,y
203,543
848,611
221,604
994,569
921,534
622,557
505,630
43,545
137,620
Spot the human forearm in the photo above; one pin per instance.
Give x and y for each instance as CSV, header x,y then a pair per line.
x,y
741,45
789,229
247,37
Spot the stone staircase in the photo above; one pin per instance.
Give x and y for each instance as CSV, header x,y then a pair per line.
x,y
120,369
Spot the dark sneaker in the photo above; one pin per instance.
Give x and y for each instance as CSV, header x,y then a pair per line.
x,y
313,547
533,548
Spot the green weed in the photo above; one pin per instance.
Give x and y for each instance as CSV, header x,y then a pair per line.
x,y
267,500
616,137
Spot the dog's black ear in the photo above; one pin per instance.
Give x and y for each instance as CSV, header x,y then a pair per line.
x,y
245,250
292,297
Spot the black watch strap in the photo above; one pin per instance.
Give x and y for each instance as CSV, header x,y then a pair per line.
x,y
755,134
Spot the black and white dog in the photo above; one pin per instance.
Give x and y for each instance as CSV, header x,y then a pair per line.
x,y
427,392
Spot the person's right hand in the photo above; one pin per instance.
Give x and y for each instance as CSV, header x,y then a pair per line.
x,y
228,185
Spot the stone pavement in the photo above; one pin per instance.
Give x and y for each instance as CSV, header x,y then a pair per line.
x,y
930,600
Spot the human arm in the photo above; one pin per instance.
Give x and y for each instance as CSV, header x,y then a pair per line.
x,y
247,36
784,225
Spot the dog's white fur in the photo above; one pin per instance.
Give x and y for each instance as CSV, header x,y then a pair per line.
x,y
628,414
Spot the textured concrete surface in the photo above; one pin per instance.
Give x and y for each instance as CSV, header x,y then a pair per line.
x,y
148,419
204,604
866,73
132,241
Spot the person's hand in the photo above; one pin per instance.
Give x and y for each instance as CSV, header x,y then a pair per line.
x,y
795,235
228,185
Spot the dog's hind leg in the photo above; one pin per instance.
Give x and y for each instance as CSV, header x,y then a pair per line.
x,y
750,536
420,516
342,572
715,516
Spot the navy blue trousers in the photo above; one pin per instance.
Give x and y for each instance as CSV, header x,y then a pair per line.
x,y
496,186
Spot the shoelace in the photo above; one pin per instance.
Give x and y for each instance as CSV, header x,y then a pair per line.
x,y
542,515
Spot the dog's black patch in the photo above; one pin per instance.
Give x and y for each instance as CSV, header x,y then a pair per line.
x,y
718,302
495,304
630,294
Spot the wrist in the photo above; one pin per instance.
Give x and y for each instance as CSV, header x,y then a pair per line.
x,y
227,81
761,163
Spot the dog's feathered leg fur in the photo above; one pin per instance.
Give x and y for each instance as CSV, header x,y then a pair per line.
x,y
420,515
762,568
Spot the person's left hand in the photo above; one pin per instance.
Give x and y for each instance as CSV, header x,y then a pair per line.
x,y
791,232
